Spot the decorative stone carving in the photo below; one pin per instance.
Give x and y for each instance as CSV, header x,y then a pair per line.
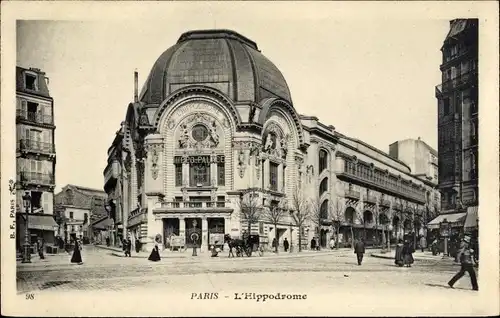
x,y
208,123
310,172
241,163
213,195
154,164
171,124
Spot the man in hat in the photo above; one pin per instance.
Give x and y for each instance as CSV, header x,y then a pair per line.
x,y
467,264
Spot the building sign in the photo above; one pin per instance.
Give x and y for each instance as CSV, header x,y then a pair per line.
x,y
198,159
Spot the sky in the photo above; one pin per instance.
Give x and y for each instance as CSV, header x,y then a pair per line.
x,y
372,79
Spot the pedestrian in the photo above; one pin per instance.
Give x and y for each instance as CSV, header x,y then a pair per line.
x,y
359,250
137,245
40,249
155,254
286,244
77,256
398,257
467,265
274,245
423,243
107,241
407,253
313,244
127,246
434,247
215,249
332,243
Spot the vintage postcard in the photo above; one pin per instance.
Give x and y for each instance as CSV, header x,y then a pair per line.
x,y
249,158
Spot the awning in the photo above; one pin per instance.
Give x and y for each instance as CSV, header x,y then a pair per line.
x,y
41,222
455,219
102,225
471,221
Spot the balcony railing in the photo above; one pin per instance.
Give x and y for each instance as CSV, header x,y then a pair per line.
x,y
351,194
385,203
35,145
355,172
34,117
453,83
371,199
193,204
35,177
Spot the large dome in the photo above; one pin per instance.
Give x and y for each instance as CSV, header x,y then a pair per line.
x,y
220,59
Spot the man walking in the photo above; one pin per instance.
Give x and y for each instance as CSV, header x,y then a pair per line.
x,y
359,250
467,265
127,246
286,244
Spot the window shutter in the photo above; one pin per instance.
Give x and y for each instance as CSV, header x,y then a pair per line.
x,y
24,105
45,202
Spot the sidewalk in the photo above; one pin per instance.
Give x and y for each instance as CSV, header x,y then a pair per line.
x,y
118,252
417,256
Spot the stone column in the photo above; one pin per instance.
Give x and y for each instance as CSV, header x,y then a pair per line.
x,y
204,234
267,179
182,228
185,171
213,170
227,225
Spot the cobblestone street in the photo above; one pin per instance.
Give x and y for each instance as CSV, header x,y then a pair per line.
x,y
328,272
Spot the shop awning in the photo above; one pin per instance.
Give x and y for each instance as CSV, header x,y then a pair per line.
x,y
471,221
456,219
102,224
41,222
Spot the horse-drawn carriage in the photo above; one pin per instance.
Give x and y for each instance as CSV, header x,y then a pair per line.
x,y
244,246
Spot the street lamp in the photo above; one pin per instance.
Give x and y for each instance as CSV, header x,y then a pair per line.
x,y
111,236
26,250
389,230
291,246
444,228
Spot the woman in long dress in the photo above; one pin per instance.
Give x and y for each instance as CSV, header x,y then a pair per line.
x,y
155,254
398,259
407,254
77,256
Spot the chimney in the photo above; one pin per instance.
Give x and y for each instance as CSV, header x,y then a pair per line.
x,y
136,97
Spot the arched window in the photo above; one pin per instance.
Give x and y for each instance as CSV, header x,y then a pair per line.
x,y
323,160
323,211
367,217
323,186
349,215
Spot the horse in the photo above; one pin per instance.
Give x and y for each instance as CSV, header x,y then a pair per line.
x,y
238,244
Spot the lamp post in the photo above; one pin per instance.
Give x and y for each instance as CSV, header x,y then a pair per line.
x,y
291,244
26,246
444,227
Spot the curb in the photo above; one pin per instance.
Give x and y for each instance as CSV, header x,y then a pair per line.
x,y
415,259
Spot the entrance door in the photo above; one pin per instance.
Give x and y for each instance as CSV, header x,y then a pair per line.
x,y
170,227
193,232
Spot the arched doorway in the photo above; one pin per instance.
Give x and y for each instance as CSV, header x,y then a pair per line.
x,y
395,226
383,220
348,229
368,232
322,238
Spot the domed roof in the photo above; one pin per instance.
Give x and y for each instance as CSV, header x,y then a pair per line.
x,y
220,59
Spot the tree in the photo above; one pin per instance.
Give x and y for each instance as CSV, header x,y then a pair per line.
x,y
60,217
250,207
274,214
336,215
376,216
316,213
300,212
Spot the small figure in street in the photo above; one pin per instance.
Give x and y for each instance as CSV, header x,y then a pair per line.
x,y
359,250
286,245
215,249
77,255
332,243
107,241
398,258
313,244
137,245
155,254
40,248
434,247
423,243
127,245
274,245
467,265
407,253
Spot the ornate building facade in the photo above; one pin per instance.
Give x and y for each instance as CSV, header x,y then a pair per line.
x,y
215,122
35,154
457,97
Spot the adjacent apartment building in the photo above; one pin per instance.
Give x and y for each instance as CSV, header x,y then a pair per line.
x,y
35,155
458,106
77,208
